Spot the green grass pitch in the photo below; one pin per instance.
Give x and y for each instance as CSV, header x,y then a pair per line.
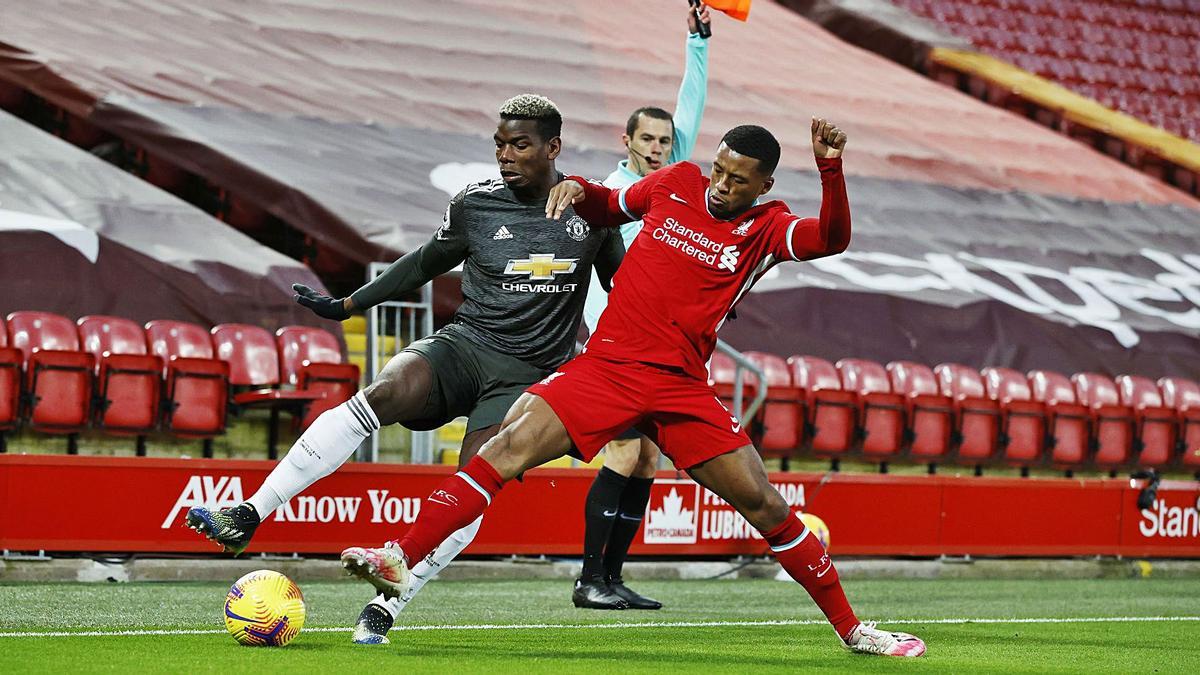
x,y
529,627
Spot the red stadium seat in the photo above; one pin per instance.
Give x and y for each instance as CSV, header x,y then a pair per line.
x,y
1022,419
722,375
1156,424
128,380
10,384
978,432
1183,396
58,376
1112,423
782,415
830,412
197,385
253,361
930,414
880,412
311,359
1069,423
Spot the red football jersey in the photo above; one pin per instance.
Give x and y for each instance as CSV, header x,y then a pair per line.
x,y
687,269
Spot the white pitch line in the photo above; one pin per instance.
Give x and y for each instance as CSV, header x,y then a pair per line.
x,y
634,624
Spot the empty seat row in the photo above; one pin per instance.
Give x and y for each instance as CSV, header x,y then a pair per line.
x,y
111,374
953,413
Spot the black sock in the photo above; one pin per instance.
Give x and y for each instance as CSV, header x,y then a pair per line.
x,y
633,507
603,502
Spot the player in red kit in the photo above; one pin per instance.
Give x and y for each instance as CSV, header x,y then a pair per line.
x,y
704,242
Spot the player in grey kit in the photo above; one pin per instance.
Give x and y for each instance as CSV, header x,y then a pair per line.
x,y
524,281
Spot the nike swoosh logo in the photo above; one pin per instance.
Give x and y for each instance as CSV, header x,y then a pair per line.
x,y
677,198
438,501
826,571
609,514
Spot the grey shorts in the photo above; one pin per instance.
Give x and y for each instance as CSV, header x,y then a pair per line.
x,y
469,379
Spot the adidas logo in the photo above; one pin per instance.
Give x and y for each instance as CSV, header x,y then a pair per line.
x,y
502,233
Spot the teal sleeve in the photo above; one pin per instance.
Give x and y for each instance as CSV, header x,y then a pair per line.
x,y
689,108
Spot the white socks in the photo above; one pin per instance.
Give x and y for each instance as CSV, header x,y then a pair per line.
x,y
429,567
319,451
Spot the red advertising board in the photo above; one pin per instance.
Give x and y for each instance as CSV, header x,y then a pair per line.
x,y
97,504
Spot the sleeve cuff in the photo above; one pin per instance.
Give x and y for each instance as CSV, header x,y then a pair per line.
x,y
829,165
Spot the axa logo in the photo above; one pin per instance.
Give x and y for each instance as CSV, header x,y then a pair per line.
x,y
212,492
729,258
541,266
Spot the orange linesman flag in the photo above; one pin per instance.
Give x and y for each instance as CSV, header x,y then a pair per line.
x,y
738,9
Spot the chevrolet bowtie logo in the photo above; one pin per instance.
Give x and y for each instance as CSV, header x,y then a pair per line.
x,y
541,266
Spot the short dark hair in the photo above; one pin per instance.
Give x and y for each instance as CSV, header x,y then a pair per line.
x,y
537,108
754,141
649,111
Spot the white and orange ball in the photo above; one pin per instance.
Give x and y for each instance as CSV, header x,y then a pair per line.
x,y
264,609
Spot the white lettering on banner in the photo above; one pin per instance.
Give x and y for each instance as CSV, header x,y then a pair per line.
x,y
310,509
1100,296
1176,522
393,509
672,522
720,521
211,492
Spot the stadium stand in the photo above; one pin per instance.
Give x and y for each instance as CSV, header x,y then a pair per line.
x,y
1112,423
1068,422
1156,429
779,425
977,432
128,378
880,426
253,360
58,376
11,360
930,424
311,360
1022,419
1183,396
196,382
1139,58
831,419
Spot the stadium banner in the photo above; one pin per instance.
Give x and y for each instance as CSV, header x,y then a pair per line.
x,y
119,504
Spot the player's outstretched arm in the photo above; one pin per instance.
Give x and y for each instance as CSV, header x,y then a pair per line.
x,y
322,305
829,234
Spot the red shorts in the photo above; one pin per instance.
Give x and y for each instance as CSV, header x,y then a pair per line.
x,y
596,399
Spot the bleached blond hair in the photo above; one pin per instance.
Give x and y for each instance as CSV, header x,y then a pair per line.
x,y
537,108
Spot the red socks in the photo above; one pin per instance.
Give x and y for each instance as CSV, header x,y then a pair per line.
x,y
805,559
457,502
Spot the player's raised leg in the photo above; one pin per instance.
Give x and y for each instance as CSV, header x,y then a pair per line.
x,y
530,436
378,617
739,478
399,394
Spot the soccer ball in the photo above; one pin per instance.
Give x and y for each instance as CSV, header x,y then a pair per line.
x,y
264,609
817,527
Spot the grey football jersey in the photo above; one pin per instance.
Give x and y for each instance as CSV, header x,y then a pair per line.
x,y
525,277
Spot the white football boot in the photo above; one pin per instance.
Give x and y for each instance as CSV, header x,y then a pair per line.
x,y
868,639
384,568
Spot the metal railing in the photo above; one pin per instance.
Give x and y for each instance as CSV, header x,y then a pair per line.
x,y
739,378
405,322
